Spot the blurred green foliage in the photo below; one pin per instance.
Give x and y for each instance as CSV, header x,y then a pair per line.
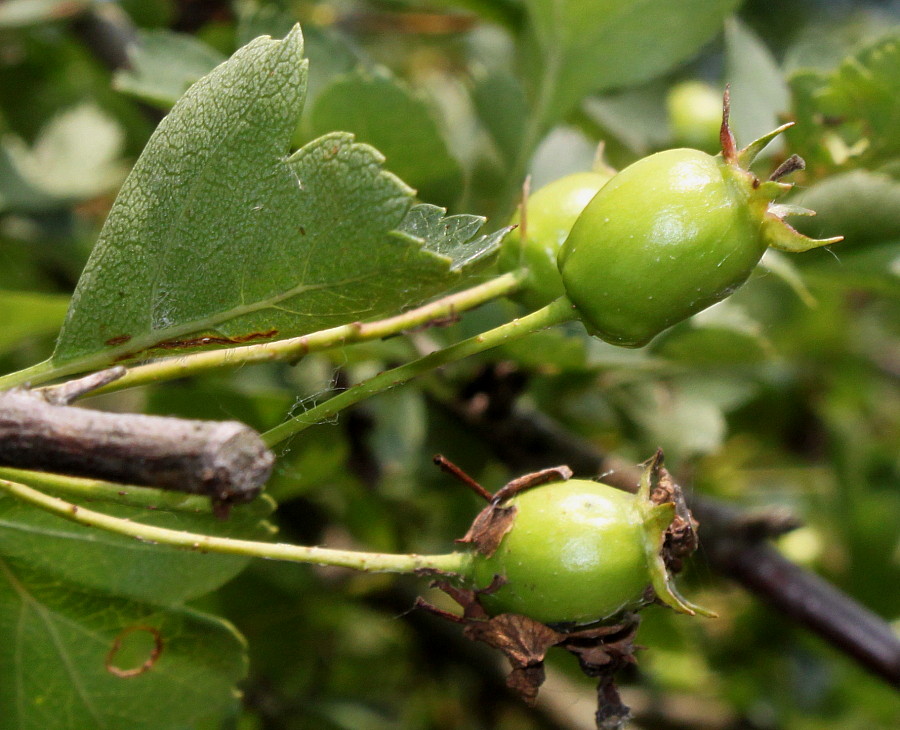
x,y
771,398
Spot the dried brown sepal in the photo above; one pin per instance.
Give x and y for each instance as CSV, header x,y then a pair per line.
x,y
448,467
726,137
495,520
65,393
465,597
529,481
681,536
489,527
791,164
524,642
601,650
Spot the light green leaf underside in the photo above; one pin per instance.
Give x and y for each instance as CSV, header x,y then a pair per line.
x,y
382,112
122,566
455,236
163,65
217,231
593,45
54,643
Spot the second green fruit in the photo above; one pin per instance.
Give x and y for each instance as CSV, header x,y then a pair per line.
x,y
550,213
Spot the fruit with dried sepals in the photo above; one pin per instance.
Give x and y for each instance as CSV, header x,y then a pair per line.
x,y
577,552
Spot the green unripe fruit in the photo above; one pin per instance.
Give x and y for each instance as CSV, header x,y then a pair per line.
x,y
695,115
579,552
575,554
550,213
670,235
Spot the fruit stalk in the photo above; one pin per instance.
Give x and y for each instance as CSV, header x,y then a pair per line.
x,y
554,313
362,561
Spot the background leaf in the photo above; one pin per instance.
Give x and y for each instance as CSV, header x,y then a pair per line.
x,y
848,118
862,206
379,110
76,156
57,638
594,45
121,566
28,315
759,94
163,65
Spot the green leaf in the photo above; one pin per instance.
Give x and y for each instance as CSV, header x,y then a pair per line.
x,y
122,566
681,420
759,93
862,206
455,236
593,45
503,109
721,336
635,117
849,117
866,87
381,111
56,647
27,314
219,233
76,156
163,65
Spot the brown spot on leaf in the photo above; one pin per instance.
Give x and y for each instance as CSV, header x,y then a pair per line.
x,y
118,646
120,340
211,340
204,341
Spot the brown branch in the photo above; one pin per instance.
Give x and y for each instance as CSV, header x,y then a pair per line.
x,y
732,538
807,598
224,460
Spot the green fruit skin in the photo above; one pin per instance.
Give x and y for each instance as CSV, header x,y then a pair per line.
x,y
552,211
667,237
574,555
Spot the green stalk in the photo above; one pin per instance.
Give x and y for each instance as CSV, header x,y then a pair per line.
x,y
284,350
101,491
366,562
38,373
558,311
